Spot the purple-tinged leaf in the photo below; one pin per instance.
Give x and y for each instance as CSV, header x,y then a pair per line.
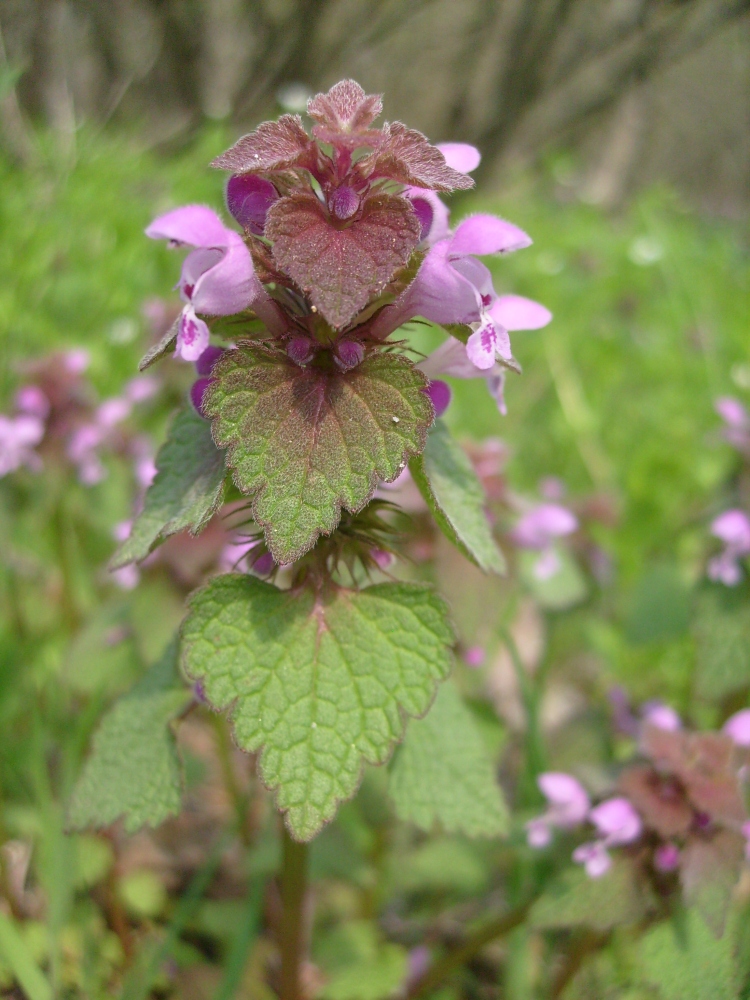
x,y
709,870
272,146
406,156
248,199
342,268
345,108
305,442
660,800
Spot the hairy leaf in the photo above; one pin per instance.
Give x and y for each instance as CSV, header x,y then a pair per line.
x,y
442,773
187,490
454,494
406,156
709,870
133,770
346,107
319,685
306,442
342,267
721,625
272,146
158,351
574,899
686,963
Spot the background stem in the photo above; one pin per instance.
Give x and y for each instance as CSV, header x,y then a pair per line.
x,y
293,891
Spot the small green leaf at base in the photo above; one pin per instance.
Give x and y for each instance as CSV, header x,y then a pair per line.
x,y
442,773
686,962
454,494
133,769
187,491
615,898
318,684
305,442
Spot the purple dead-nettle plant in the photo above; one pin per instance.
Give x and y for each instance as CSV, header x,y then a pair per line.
x,y
306,401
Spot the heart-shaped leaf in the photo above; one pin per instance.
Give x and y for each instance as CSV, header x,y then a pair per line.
x,y
454,494
442,773
305,442
318,684
342,266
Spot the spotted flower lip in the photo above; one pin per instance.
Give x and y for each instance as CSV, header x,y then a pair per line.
x,y
217,277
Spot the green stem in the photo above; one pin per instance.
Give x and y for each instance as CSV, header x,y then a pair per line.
x,y
535,755
454,959
293,893
237,796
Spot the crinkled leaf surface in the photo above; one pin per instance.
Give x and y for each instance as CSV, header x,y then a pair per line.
x,y
721,625
453,493
272,146
442,773
305,442
405,155
318,685
686,963
574,899
709,871
187,490
133,770
342,266
346,107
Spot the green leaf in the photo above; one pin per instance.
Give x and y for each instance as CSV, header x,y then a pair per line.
x,y
686,962
133,769
454,494
721,625
574,899
164,346
187,490
305,442
443,774
319,684
660,607
359,965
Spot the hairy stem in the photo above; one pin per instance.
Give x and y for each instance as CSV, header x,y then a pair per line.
x,y
293,892
456,957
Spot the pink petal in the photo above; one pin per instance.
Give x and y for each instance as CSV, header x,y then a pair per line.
x,y
617,820
480,347
543,523
450,359
432,213
566,795
662,716
666,857
514,312
196,225
732,411
486,234
230,285
461,156
733,528
594,857
440,394
737,727
538,833
193,336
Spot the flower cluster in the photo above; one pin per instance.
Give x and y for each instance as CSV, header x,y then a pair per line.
x,y
345,240
679,808
732,528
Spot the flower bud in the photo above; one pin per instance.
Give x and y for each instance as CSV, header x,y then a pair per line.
x,y
300,349
440,394
349,354
197,392
343,203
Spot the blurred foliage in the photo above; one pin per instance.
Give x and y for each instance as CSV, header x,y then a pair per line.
x,y
616,402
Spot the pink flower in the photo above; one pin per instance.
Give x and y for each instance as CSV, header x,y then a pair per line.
x,y
217,277
656,713
18,437
733,528
732,412
451,358
452,286
475,656
568,806
737,727
617,823
431,211
538,530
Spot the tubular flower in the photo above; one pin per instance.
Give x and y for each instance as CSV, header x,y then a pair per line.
x,y
539,528
618,823
733,528
431,211
217,277
568,807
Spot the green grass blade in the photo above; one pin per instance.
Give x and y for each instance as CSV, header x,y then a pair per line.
x,y
14,951
238,953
